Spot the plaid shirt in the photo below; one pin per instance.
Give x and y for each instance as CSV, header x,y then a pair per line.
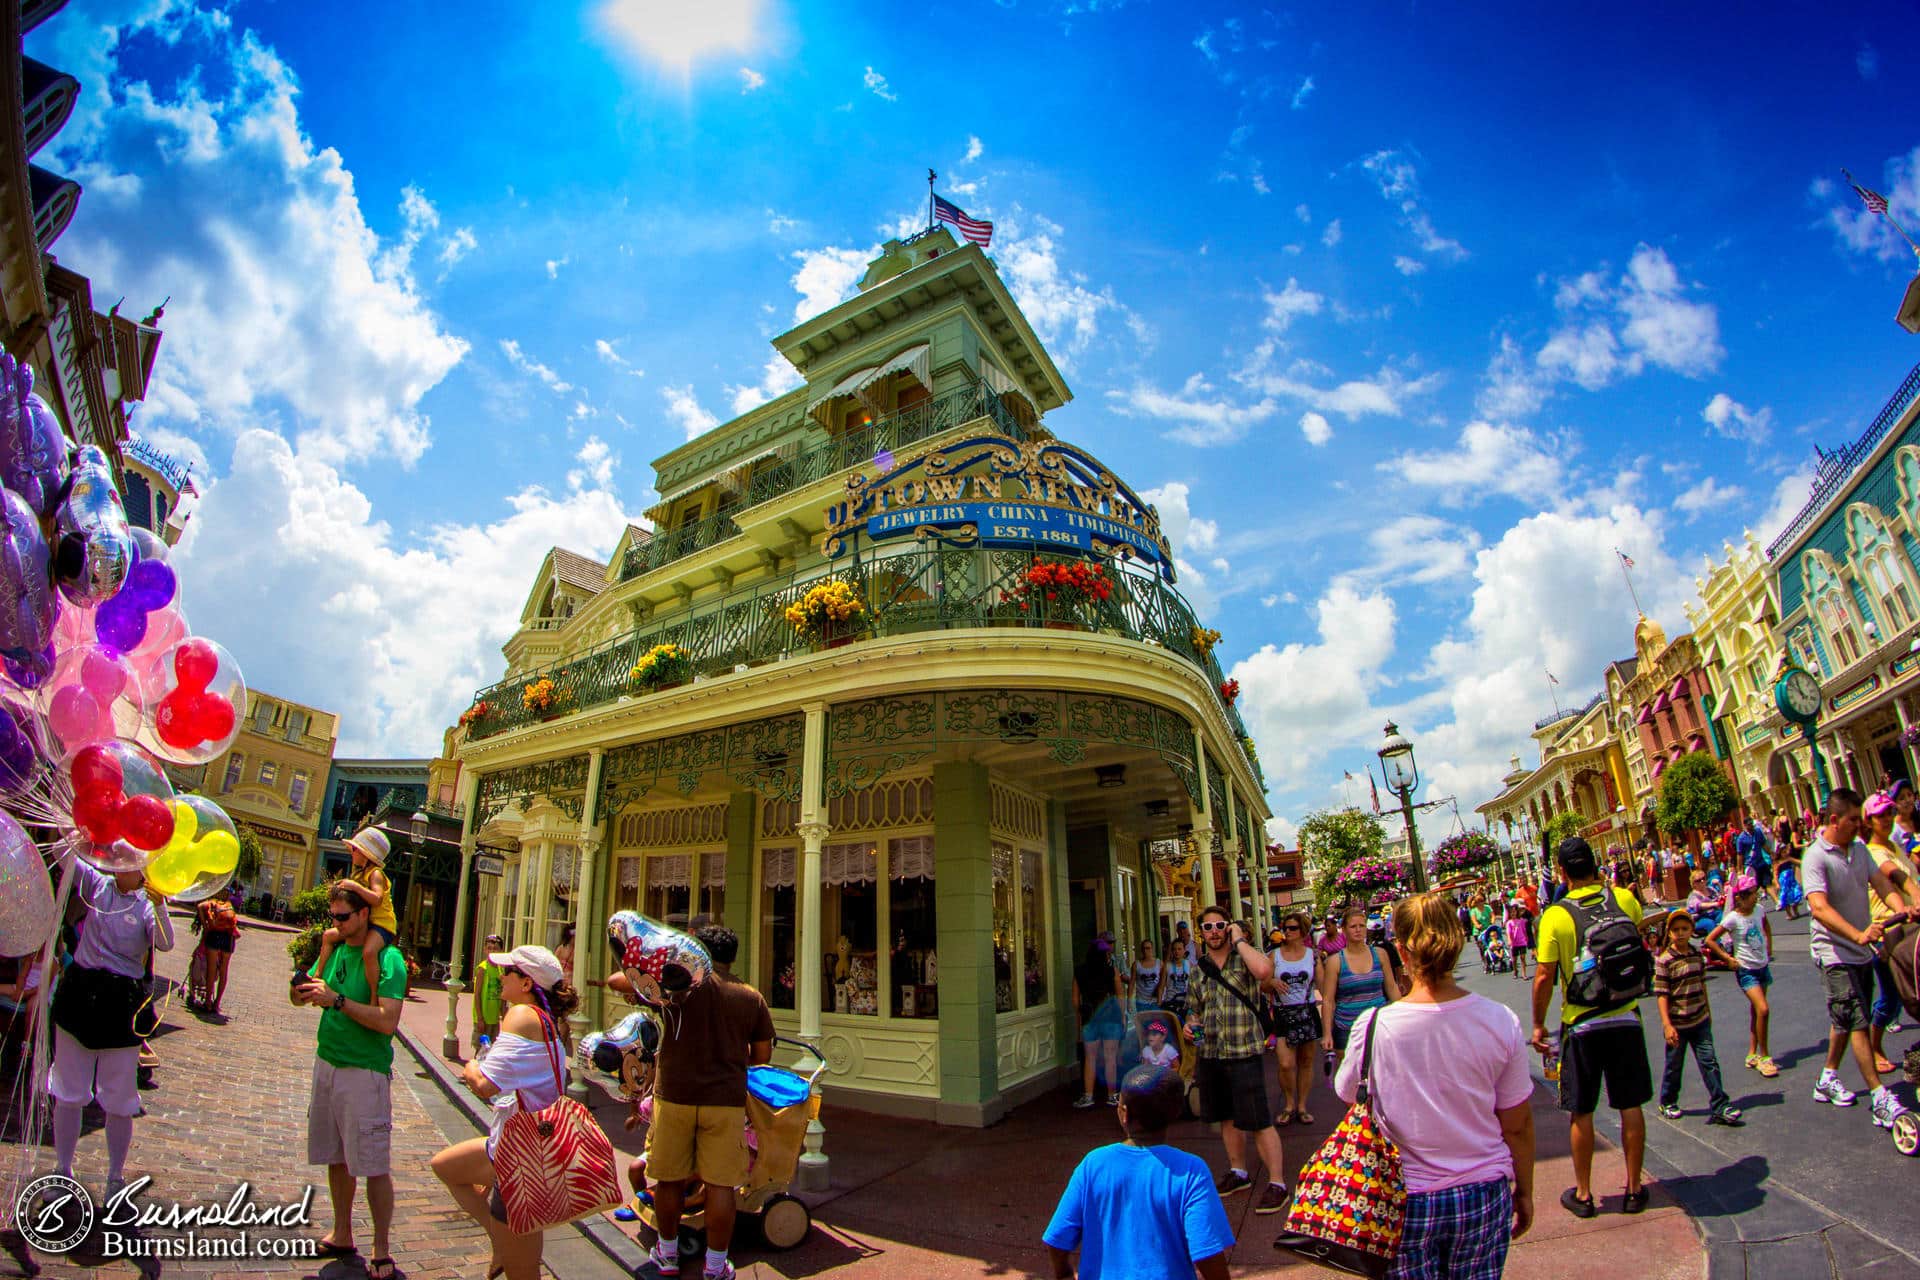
x,y
1681,976
1229,1028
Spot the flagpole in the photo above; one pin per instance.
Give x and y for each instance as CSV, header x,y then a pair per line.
x,y
1886,213
1628,575
1553,692
930,177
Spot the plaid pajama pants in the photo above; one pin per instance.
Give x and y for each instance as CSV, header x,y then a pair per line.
x,y
1461,1233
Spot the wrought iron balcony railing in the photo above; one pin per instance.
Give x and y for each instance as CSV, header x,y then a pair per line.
x,y
1837,469
909,591
668,545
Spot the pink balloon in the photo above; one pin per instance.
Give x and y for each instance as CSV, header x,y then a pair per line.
x,y
75,718
103,677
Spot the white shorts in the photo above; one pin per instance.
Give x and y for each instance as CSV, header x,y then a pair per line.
x,y
350,1119
80,1075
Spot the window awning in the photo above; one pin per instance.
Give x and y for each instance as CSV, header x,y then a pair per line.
x,y
1659,767
1696,743
916,360
1662,702
1003,386
1681,688
732,468
1646,715
847,386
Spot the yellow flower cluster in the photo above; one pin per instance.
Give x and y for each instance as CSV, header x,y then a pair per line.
x,y
1204,638
658,664
830,602
544,695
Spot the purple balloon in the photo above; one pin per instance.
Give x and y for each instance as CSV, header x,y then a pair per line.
x,y
120,624
28,675
16,753
150,584
27,605
33,448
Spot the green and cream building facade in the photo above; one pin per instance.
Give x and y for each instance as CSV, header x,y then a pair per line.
x,y
916,819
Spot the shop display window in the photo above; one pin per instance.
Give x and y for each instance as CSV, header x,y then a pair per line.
x,y
859,976
1020,966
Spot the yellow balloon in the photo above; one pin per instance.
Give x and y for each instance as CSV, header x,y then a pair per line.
x,y
185,858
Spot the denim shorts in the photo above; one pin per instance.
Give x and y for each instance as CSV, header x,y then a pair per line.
x,y
1761,977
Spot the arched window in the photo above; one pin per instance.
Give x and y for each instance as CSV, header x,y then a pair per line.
x,y
1889,586
1837,620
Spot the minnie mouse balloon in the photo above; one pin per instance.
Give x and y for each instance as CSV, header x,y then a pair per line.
x,y
33,448
94,549
197,696
655,956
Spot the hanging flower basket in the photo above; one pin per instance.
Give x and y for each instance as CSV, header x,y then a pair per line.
x,y
1367,877
1204,638
475,714
1229,690
661,667
831,613
1060,592
1467,851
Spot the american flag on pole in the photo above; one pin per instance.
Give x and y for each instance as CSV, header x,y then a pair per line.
x,y
977,230
1552,677
1875,202
1625,559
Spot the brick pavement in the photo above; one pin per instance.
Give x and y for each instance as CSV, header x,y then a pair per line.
x,y
231,1104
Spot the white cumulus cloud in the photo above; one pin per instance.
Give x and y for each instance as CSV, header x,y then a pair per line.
x,y
684,408
1729,418
1315,428
877,85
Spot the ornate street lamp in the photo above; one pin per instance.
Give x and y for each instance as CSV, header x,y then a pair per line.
x,y
417,827
1402,773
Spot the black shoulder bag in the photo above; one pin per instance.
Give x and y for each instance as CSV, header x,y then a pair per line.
x,y
1269,1022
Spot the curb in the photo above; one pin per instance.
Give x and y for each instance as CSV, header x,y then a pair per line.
x,y
578,1256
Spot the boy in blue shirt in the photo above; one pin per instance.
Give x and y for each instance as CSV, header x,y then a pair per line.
x,y
1139,1209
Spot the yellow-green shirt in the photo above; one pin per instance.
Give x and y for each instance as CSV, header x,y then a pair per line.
x,y
1878,906
1560,944
382,916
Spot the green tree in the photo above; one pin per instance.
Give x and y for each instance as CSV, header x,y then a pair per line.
x,y
247,870
309,905
1694,794
1330,840
1558,828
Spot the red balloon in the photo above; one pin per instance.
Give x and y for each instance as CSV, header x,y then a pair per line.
x,y
93,769
173,721
97,814
196,664
214,717
146,822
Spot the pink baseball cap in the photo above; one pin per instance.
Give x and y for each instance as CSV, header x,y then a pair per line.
x,y
1878,803
1745,884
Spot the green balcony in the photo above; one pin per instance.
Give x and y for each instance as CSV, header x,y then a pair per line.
x,y
669,545
925,589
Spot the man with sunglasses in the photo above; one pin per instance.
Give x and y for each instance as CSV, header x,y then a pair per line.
x,y
1233,1071
350,1111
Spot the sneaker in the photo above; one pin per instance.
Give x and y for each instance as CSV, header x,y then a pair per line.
x,y
1113,1100
1671,1110
1767,1067
667,1263
1273,1199
1231,1183
1829,1089
724,1273
1729,1116
1082,1102
1886,1111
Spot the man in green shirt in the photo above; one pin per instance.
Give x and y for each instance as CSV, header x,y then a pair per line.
x,y
350,1111
486,992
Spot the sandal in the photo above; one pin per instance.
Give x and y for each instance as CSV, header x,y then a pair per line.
x,y
1283,1119
1634,1201
1767,1067
1881,1065
1303,1116
381,1269
328,1249
1575,1204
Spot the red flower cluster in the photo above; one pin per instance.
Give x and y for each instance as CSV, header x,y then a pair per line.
x,y
1229,690
1072,583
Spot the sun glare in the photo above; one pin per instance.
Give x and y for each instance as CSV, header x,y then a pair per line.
x,y
675,34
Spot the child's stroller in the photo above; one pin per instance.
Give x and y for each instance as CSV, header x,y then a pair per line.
x,y
780,1104
1902,952
1493,948
1145,1018
198,995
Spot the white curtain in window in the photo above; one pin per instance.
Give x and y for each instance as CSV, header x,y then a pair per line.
x,y
565,858
713,871
672,872
776,868
910,858
843,864
630,873
1030,870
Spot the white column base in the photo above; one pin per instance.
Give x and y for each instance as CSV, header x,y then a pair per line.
x,y
450,1042
812,1175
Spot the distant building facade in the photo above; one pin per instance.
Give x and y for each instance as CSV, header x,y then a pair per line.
x,y
271,780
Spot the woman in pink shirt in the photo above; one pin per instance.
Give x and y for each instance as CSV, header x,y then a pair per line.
x,y
1450,1087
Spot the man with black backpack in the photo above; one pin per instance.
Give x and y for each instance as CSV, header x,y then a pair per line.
x,y
1591,949
1223,1006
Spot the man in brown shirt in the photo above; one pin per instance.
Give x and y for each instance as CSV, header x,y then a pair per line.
x,y
713,1033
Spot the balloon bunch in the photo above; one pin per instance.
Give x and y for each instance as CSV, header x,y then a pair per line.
x,y
654,957
625,1052
102,682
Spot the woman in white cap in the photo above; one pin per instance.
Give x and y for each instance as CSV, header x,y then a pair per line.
x,y
524,1066
369,846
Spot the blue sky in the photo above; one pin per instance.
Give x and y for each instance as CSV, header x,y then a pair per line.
x,y
1405,316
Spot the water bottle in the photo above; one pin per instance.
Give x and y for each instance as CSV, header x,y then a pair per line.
x,y
1550,1067
1326,1064
486,1043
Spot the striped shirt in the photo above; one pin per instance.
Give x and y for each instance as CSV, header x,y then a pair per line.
x,y
1681,976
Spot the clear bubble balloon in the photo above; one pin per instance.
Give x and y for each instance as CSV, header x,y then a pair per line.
x,y
655,956
26,891
121,810
200,857
201,696
90,697
166,628
93,547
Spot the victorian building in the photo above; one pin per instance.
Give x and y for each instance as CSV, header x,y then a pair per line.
x,y
897,685
271,780
1844,575
1665,707
1582,772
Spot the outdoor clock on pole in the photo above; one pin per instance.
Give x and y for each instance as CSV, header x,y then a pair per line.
x,y
1797,694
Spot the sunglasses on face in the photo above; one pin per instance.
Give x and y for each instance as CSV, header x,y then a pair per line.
x,y
341,917
1213,926
1289,928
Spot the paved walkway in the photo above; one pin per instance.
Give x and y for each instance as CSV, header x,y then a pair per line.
x,y
915,1199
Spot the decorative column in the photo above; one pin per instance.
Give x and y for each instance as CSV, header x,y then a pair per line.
x,y
963,868
807,951
1204,832
584,878
462,908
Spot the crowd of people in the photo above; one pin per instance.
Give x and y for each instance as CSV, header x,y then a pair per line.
x,y
1622,945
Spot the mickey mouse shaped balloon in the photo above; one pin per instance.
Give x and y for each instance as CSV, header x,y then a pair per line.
x,y
654,957
120,805
93,549
198,696
625,1052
